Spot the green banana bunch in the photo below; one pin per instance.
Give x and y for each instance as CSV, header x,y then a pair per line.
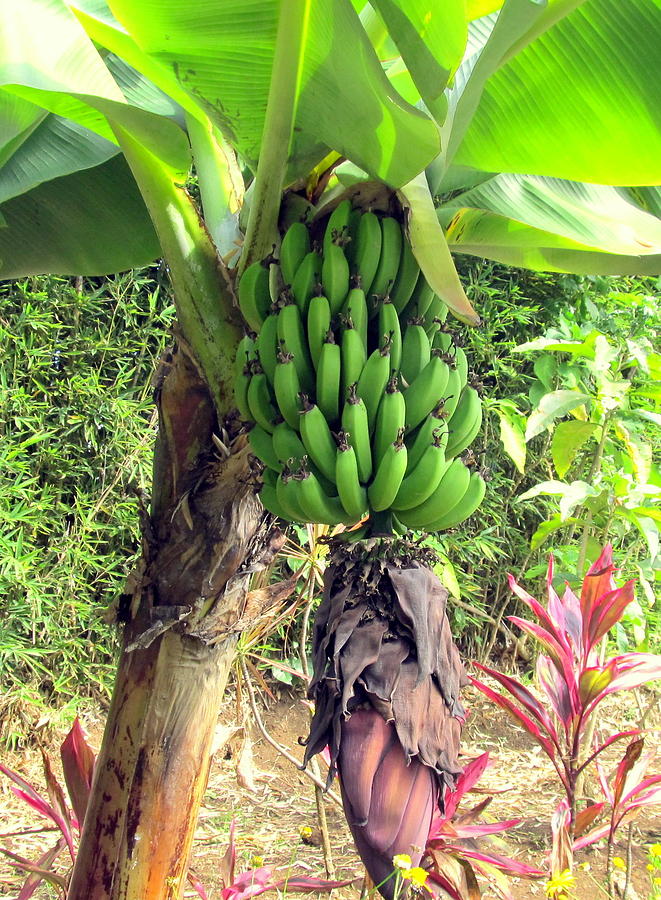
x,y
357,392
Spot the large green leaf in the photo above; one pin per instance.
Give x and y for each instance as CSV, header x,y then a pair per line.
x,y
54,148
47,59
78,225
431,38
18,119
581,101
431,250
554,225
222,54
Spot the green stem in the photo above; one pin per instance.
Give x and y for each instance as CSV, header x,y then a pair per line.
x,y
204,301
594,469
262,229
220,182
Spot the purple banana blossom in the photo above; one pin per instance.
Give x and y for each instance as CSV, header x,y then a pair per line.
x,y
386,687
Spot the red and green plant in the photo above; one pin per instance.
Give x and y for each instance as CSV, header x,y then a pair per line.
x,y
454,849
575,676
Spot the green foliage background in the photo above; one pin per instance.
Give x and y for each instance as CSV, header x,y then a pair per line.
x,y
77,427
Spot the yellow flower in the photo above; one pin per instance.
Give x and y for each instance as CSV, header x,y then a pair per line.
x,y
650,867
402,861
556,888
656,880
305,831
257,862
619,863
417,876
654,850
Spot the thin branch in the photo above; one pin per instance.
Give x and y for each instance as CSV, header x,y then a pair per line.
x,y
282,750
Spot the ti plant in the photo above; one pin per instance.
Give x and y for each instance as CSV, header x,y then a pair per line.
x,y
574,678
454,849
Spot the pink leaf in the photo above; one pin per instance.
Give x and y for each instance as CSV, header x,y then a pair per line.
x,y
466,781
556,690
44,863
306,884
504,863
56,795
611,740
598,581
525,698
631,756
443,882
608,610
475,831
591,837
27,793
585,818
560,654
197,885
516,713
78,767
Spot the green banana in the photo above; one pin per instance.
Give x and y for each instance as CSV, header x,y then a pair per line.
x,y
287,387
452,392
460,362
319,319
391,253
293,340
425,391
353,495
335,277
389,419
355,308
254,294
267,344
442,341
389,475
355,424
353,356
373,380
294,248
437,312
338,226
465,422
288,497
287,444
306,280
317,438
423,480
407,276
452,487
261,443
242,381
328,378
269,499
260,401
472,498
365,251
421,298
416,350
317,505
246,351
389,326
434,427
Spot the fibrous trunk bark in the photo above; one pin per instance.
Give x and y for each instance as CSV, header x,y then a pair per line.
x,y
181,617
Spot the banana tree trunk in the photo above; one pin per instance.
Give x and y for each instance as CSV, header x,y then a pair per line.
x,y
181,617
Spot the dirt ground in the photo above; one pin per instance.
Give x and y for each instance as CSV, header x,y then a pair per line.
x,y
271,801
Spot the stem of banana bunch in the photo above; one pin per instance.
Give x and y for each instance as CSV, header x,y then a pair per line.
x,y
262,228
314,765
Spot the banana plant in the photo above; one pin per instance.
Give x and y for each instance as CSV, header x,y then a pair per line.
x,y
526,131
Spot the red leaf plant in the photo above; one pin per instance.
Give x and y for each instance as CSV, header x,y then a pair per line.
x,y
456,856
574,679
257,881
78,766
